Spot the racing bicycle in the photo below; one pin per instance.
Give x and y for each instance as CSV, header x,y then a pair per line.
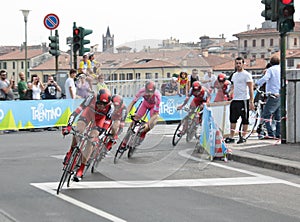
x,y
74,160
131,138
255,115
190,125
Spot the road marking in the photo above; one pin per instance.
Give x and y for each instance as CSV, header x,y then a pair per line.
x,y
51,188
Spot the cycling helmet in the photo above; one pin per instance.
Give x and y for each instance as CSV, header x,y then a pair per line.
x,y
150,86
196,86
117,100
103,96
221,77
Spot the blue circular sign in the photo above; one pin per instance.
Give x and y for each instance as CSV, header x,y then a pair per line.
x,y
51,21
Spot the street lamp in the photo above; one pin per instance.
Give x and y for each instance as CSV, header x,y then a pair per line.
x,y
25,14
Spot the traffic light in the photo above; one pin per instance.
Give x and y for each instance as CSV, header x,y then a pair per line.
x,y
84,32
270,12
286,12
54,44
76,39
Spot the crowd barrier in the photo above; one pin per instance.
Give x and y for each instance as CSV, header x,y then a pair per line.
x,y
26,114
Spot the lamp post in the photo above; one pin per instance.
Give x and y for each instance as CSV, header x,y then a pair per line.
x,y
25,14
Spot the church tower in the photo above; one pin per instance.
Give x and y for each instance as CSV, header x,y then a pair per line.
x,y
108,42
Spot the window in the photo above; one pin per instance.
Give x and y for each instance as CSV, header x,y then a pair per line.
x,y
122,76
14,65
156,75
148,75
290,62
262,43
271,42
295,41
4,65
253,43
168,75
138,75
129,76
245,43
262,56
22,65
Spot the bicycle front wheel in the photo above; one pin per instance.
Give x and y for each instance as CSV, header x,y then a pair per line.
x,y
253,119
67,170
179,132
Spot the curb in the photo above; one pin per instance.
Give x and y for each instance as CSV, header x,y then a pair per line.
x,y
267,162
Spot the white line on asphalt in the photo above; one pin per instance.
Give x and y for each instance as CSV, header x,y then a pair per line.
x,y
184,153
51,189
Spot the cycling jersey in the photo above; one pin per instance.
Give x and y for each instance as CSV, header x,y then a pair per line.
x,y
150,102
88,111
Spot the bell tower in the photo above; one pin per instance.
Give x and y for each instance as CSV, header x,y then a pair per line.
x,y
108,42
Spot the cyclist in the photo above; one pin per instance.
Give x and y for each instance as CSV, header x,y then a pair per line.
x,y
96,108
151,101
118,117
201,95
223,88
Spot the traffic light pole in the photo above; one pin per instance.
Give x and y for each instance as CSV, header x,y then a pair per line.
x,y
283,86
75,61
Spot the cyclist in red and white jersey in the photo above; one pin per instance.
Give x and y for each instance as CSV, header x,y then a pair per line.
x,y
95,108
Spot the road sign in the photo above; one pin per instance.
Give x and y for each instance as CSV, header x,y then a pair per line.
x,y
51,21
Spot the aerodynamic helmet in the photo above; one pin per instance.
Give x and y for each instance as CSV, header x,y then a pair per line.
x,y
117,100
196,86
221,77
103,96
150,86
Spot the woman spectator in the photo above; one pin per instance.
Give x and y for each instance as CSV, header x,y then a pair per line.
x,y
37,87
83,87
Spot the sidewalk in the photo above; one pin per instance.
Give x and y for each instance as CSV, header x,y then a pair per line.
x,y
270,154
275,156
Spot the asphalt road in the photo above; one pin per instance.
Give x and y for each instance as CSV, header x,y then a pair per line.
x,y
160,183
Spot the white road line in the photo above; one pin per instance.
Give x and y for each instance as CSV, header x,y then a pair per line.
x,y
51,190
184,153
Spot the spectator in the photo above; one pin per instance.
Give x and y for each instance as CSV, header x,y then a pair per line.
x,y
272,106
242,89
193,77
28,94
183,83
70,88
86,68
208,80
171,88
22,86
101,84
37,87
223,88
6,86
83,88
51,88
95,66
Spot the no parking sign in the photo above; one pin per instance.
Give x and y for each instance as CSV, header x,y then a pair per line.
x,y
51,21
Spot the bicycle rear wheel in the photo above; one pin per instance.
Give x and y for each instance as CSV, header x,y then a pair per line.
x,y
99,155
120,153
179,132
253,119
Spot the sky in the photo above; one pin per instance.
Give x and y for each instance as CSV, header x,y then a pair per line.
x,y
131,20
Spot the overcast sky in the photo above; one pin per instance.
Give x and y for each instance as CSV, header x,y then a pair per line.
x,y
131,20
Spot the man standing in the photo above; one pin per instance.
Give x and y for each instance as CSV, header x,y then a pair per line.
x,y
242,89
70,88
51,88
208,80
6,86
22,86
272,106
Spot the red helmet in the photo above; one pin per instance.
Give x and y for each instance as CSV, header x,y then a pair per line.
x,y
150,86
117,100
196,86
103,96
221,77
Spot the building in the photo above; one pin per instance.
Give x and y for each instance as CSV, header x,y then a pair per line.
x,y
108,42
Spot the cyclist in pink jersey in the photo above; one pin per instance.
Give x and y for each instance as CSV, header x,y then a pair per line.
x,y
151,101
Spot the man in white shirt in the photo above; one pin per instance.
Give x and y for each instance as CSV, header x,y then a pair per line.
x,y
70,88
208,80
242,89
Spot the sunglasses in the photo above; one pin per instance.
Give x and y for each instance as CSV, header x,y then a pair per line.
x,y
102,103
